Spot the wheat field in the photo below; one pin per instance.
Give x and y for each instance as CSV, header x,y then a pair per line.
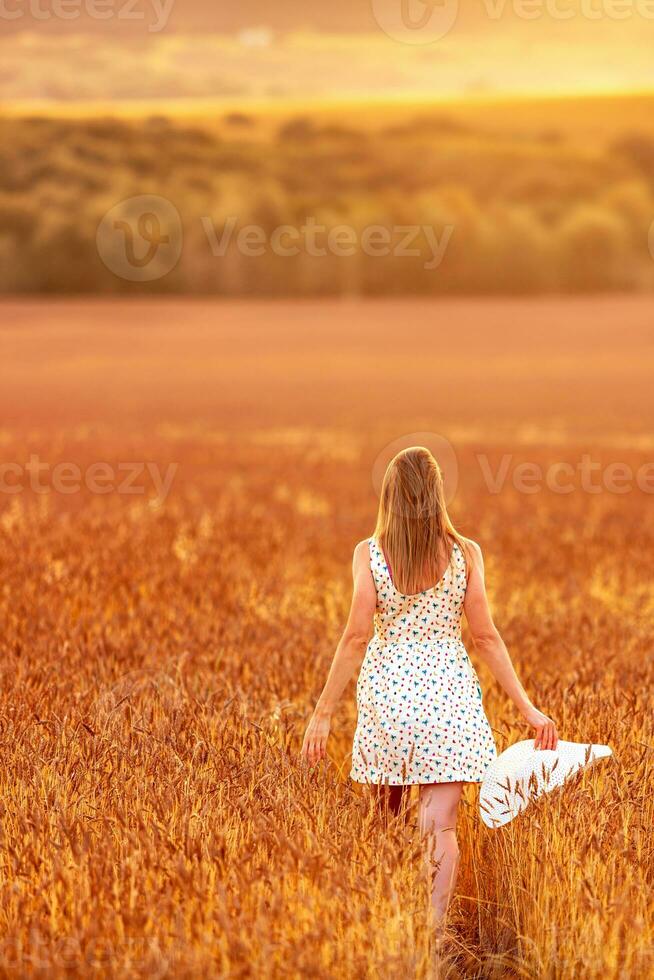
x,y
160,657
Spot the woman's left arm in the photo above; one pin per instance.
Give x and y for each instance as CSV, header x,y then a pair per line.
x,y
349,655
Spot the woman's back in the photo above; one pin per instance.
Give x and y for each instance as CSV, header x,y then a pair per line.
x,y
425,616
421,718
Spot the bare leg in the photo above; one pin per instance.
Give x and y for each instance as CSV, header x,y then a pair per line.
x,y
437,818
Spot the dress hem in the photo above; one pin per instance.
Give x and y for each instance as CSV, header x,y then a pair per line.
x,y
415,782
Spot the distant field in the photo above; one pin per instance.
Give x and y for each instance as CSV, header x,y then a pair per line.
x,y
560,370
160,652
480,196
581,117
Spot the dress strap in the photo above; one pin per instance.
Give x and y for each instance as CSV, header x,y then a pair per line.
x,y
459,561
378,566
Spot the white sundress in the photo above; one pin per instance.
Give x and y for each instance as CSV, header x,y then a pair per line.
x,y
420,712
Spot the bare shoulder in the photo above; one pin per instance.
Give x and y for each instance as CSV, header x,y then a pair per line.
x,y
362,553
473,554
472,548
364,583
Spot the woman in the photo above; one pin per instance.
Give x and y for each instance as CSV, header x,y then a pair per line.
x,y
421,720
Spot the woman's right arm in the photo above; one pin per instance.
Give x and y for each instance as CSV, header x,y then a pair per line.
x,y
493,652
348,657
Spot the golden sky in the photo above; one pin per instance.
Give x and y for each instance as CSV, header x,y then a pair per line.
x,y
163,49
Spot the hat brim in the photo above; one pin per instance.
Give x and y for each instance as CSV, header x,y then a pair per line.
x,y
522,773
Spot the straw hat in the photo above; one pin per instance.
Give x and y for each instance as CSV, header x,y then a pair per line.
x,y
521,773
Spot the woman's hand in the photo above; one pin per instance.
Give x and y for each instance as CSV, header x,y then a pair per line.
x,y
547,736
314,746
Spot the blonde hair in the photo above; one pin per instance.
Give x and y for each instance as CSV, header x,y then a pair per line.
x,y
413,526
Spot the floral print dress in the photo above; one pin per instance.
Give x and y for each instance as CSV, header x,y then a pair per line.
x,y
421,718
